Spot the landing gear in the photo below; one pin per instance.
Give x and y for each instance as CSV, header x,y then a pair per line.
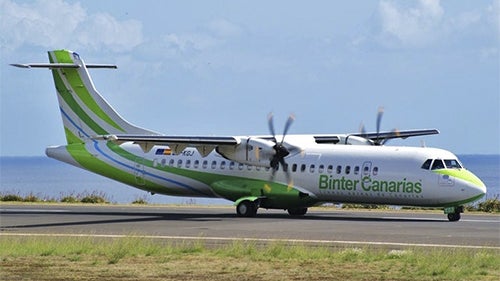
x,y
297,212
453,213
247,208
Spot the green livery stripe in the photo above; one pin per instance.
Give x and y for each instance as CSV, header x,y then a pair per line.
x,y
73,104
71,138
94,164
78,86
461,174
229,187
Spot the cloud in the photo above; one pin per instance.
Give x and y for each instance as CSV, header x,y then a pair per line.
x,y
56,24
415,26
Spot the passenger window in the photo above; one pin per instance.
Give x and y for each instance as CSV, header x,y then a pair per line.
x,y
171,162
294,168
240,166
249,167
188,163
438,164
427,164
196,163
339,169
329,169
375,171
321,168
302,167
356,170
222,165
204,164
214,165
366,170
179,163
311,168
231,165
347,170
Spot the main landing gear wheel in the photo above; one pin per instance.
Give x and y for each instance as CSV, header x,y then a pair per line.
x,y
297,212
247,209
454,216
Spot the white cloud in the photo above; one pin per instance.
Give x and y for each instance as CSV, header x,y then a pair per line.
x,y
415,26
57,24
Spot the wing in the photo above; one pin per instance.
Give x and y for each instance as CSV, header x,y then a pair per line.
x,y
384,136
204,144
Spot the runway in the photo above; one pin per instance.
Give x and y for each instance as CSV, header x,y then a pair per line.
x,y
324,226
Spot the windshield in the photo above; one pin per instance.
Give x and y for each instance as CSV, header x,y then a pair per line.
x,y
452,164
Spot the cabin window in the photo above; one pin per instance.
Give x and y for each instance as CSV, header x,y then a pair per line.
x,y
366,170
356,170
339,169
321,168
188,163
179,163
240,166
438,164
294,168
427,164
329,169
303,167
196,163
222,165
347,170
171,162
249,167
231,165
214,165
375,171
204,164
452,164
311,168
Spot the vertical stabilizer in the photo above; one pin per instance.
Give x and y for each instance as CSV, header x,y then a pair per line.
x,y
84,111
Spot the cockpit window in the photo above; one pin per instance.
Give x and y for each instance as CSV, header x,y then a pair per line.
x,y
438,164
427,164
452,164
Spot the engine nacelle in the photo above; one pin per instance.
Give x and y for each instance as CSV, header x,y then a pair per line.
x,y
250,151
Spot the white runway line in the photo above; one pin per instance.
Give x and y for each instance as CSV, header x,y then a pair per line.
x,y
267,240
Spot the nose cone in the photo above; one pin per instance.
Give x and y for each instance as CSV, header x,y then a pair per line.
x,y
473,187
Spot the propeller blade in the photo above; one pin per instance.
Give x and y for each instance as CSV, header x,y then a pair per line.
x,y
379,121
288,123
362,129
270,123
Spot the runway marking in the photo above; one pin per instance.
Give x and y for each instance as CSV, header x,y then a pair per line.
x,y
267,240
429,218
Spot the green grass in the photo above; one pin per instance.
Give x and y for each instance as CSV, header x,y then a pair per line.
x,y
136,258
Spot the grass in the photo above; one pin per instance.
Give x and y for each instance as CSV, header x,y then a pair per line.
x,y
136,258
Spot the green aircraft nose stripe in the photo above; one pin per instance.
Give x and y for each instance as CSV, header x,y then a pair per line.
x,y
462,174
77,84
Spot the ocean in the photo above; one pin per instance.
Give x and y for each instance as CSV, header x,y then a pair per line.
x,y
48,178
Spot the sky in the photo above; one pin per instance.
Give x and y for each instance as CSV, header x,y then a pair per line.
x,y
219,67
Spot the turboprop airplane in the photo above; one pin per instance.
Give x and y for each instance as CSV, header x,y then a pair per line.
x,y
290,172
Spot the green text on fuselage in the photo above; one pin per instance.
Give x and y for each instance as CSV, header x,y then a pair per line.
x,y
369,185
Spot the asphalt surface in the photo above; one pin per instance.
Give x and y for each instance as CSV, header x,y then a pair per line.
x,y
327,226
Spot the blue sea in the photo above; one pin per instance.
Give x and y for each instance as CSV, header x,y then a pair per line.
x,y
48,178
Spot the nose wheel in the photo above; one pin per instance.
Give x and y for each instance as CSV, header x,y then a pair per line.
x,y
453,213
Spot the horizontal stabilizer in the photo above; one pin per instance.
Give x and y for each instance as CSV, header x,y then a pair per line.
x,y
61,65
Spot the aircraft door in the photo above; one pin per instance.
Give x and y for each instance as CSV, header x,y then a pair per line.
x,y
139,172
366,169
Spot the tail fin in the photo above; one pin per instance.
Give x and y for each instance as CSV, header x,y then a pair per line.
x,y
84,111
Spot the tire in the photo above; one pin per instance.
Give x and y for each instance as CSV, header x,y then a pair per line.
x,y
297,212
454,216
246,209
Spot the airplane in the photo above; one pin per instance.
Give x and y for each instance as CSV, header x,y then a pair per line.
x,y
289,172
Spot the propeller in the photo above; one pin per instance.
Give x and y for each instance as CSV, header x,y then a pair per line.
x,y
280,150
378,140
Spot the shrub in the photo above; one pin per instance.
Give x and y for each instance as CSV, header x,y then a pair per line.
x,y
94,199
12,197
